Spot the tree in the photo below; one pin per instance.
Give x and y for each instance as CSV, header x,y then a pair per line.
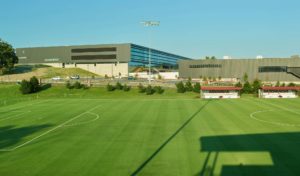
x,y
188,85
247,88
256,86
277,84
180,87
245,77
197,87
207,58
8,57
213,58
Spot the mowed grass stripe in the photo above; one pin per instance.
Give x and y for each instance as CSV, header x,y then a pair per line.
x,y
130,130
58,141
169,139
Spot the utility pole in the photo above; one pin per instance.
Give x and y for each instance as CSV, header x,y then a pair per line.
x,y
150,24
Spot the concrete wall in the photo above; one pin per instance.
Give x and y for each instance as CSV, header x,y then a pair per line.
x,y
236,68
106,69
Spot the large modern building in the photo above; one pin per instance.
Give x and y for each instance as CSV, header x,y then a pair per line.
x,y
272,69
106,59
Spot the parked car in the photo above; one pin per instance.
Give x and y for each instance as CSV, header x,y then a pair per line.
x,y
131,78
56,78
75,77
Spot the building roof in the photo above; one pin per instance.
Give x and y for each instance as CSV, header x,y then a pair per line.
x,y
279,88
220,88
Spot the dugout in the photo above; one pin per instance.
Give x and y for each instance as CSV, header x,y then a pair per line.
x,y
278,92
220,92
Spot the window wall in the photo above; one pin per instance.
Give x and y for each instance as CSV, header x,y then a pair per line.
x,y
140,57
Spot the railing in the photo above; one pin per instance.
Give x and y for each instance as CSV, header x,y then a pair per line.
x,y
294,71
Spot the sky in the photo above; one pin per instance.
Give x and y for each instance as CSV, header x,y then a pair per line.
x,y
191,28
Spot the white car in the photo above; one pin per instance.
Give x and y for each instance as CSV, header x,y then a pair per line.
x,y
56,78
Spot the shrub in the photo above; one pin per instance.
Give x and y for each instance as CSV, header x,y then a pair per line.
x,y
292,84
26,87
110,88
126,88
197,87
35,85
119,86
277,84
188,85
159,89
69,85
30,86
141,88
78,85
149,90
159,77
239,84
180,87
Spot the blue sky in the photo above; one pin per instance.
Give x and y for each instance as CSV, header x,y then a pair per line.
x,y
193,28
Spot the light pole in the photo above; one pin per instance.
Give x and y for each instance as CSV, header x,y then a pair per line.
x,y
150,24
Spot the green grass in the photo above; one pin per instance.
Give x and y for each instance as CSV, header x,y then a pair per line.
x,y
121,133
64,72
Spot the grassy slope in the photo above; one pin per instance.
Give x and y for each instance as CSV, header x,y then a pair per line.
x,y
41,71
132,127
64,72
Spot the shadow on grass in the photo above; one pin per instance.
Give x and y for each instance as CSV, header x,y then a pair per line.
x,y
19,69
9,135
140,168
284,149
45,87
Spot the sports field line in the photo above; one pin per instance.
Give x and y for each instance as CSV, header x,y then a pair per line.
x,y
156,152
16,115
49,131
276,105
252,115
82,123
269,110
31,104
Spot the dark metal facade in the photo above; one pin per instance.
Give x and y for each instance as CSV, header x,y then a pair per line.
x,y
133,54
273,69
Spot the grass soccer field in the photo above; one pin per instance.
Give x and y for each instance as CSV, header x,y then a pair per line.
x,y
150,136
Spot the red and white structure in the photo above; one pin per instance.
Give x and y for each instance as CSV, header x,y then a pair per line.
x,y
278,92
220,92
